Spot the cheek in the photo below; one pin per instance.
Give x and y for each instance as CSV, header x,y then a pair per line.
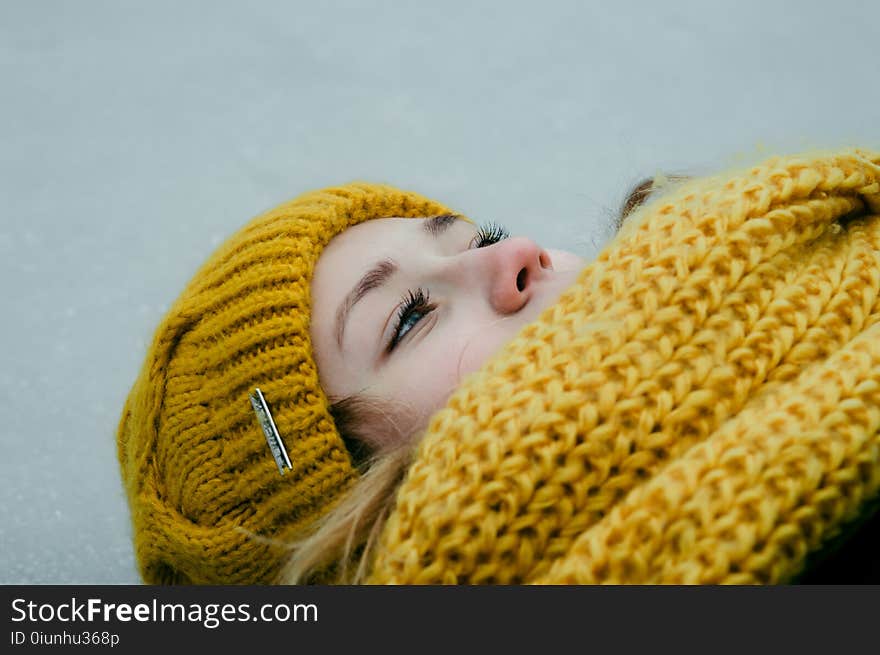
x,y
473,355
441,370
479,346
425,386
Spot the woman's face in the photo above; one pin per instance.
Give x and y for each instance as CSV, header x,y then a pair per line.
x,y
403,308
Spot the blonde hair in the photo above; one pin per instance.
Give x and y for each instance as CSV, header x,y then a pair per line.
x,y
340,545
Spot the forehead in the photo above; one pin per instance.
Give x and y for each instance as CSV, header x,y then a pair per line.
x,y
352,252
349,253
341,264
360,236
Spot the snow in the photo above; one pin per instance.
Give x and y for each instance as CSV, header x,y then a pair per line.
x,y
136,138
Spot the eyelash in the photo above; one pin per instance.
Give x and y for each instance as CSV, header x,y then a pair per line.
x,y
490,233
420,301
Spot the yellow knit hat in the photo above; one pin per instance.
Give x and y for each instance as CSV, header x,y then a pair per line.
x,y
200,479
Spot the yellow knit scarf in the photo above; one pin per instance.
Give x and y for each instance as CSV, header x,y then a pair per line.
x,y
702,406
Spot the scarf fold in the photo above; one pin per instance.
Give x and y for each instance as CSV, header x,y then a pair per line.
x,y
701,406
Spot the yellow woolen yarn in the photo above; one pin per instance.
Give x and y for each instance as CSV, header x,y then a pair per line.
x,y
207,502
701,406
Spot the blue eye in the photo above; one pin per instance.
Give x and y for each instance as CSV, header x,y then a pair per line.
x,y
488,234
415,305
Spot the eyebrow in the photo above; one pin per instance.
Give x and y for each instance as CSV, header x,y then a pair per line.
x,y
381,272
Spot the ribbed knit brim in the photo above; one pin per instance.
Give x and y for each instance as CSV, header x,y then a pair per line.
x,y
208,504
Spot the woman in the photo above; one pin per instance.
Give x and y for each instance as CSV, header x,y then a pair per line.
x,y
698,405
327,299
470,289
443,296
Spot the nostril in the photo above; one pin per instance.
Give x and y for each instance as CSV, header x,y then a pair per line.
x,y
521,279
544,260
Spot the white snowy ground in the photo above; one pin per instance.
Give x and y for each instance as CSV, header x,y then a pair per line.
x,y
135,136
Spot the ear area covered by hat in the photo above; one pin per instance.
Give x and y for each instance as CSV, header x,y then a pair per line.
x,y
701,406
208,505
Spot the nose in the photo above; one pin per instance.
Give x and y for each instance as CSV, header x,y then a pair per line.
x,y
517,264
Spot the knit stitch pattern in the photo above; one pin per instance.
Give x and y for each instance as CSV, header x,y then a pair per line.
x,y
701,407
207,502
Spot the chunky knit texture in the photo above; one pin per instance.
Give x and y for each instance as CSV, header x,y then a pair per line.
x,y
207,502
702,406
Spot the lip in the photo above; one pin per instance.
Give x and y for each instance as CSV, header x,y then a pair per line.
x,y
567,261
556,282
